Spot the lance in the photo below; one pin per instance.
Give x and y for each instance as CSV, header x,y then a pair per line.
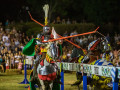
x,y
35,20
87,33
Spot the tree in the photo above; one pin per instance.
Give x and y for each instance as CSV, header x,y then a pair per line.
x,y
101,11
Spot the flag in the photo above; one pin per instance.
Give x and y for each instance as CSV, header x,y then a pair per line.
x,y
29,48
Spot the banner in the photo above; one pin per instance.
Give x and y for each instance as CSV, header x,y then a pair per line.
x,y
89,69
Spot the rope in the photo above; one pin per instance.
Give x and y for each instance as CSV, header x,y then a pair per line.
x,y
100,34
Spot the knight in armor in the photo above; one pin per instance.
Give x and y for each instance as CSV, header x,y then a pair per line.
x,y
44,66
108,55
87,58
42,55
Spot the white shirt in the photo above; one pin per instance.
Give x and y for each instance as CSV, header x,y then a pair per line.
x,y
30,57
3,38
7,44
17,43
21,47
116,38
81,40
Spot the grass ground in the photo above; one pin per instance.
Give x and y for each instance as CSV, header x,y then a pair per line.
x,y
11,82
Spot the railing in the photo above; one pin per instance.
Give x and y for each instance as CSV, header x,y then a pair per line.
x,y
86,69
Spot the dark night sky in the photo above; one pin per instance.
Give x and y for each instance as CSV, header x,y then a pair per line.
x,y
10,9
13,10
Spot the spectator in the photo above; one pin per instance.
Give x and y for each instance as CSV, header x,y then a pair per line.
x,y
65,34
116,60
12,35
7,62
20,64
16,35
24,41
27,39
1,60
68,21
108,37
81,41
0,23
64,49
1,29
1,47
7,30
19,55
12,60
14,30
118,42
17,42
69,55
116,38
64,57
7,22
12,47
74,22
16,50
63,21
16,60
5,37
85,40
2,52
72,33
53,22
21,46
90,38
5,51
7,43
75,32
58,20
77,40
95,38
31,37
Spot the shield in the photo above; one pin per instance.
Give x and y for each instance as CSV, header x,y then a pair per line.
x,y
93,44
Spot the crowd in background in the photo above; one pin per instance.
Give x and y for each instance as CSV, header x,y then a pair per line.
x,y
58,20
12,42
11,45
84,41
